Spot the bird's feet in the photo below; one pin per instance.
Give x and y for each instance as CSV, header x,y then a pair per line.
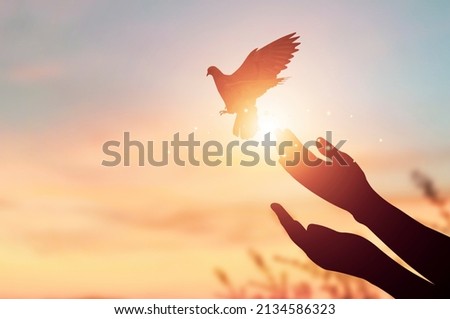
x,y
223,112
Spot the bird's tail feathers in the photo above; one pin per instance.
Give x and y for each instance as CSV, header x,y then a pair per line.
x,y
246,123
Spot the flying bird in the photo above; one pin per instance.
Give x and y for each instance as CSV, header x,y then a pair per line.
x,y
255,76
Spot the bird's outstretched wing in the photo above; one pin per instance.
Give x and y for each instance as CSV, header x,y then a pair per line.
x,y
266,63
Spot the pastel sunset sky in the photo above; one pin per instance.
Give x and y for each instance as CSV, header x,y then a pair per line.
x,y
75,74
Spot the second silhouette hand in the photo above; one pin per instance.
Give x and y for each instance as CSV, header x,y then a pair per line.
x,y
345,185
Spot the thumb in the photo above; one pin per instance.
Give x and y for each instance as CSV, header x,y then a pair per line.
x,y
294,229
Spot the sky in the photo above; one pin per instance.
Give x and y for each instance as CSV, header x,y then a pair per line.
x,y
76,74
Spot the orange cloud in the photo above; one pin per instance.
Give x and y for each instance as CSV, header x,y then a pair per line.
x,y
36,73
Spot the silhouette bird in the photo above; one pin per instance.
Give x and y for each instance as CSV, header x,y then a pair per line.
x,y
255,76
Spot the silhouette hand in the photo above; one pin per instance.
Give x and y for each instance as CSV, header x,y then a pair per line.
x,y
339,180
331,250
353,255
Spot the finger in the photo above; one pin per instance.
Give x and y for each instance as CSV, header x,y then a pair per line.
x,y
293,153
329,151
294,229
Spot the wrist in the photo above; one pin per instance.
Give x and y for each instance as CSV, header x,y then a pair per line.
x,y
368,206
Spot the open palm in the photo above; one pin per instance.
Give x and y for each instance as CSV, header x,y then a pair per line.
x,y
339,180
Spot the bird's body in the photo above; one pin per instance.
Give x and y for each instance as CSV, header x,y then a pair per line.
x,y
256,75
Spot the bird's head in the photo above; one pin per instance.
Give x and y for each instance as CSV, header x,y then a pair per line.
x,y
212,70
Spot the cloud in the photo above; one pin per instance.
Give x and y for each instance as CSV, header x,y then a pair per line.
x,y
192,222
234,224
54,240
32,73
5,204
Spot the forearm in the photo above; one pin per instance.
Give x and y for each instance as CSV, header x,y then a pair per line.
x,y
398,281
423,248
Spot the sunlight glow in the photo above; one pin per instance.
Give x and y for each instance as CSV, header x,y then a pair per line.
x,y
267,124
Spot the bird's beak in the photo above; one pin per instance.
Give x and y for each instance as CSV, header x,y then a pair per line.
x,y
207,73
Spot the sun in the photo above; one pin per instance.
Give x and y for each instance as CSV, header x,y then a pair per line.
x,y
267,123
